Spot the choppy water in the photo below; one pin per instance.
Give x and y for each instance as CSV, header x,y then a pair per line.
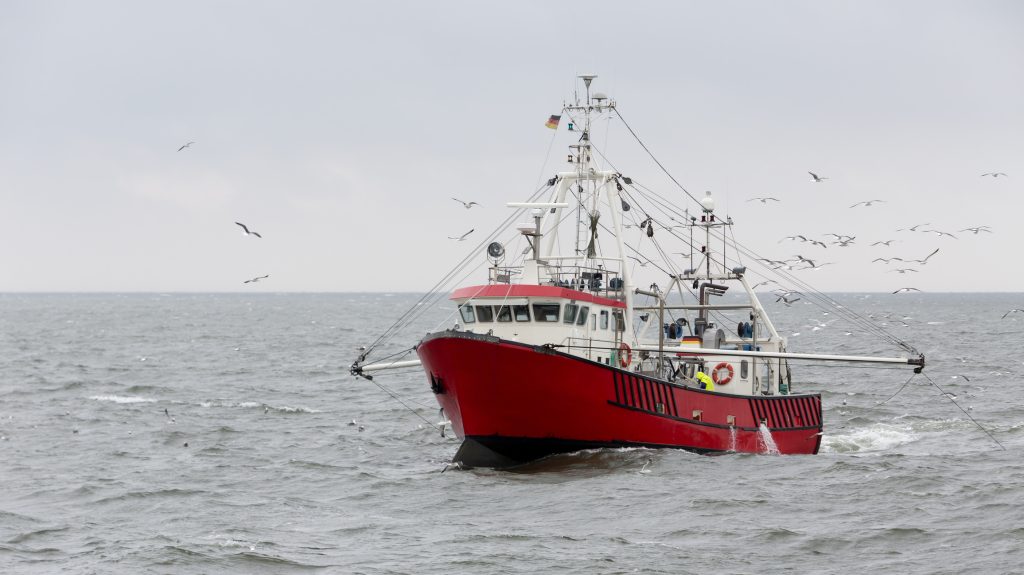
x,y
96,478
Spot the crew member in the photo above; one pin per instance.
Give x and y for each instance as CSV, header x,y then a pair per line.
x,y
705,381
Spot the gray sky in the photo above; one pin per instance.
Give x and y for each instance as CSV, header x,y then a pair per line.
x,y
340,131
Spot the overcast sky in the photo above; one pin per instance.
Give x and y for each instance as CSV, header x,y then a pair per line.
x,y
340,131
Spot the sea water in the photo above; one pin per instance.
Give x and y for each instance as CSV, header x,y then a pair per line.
x,y
191,433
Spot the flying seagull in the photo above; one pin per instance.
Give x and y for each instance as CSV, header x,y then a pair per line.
x,y
190,143
817,178
913,229
462,237
759,284
763,200
885,243
796,237
254,280
805,260
817,243
994,174
867,203
642,263
1011,311
940,234
466,204
886,260
246,231
784,299
925,260
977,229
902,290
904,270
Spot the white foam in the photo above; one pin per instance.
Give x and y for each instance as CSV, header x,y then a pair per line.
x,y
122,399
767,441
878,437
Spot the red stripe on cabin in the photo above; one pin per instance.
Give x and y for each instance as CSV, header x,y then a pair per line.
x,y
503,291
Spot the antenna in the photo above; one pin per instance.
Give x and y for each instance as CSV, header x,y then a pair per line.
x,y
587,79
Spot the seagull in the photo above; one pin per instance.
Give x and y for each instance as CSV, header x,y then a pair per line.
x,y
940,234
805,260
904,270
796,237
644,468
885,243
254,280
994,174
466,204
1011,311
843,243
245,231
759,284
902,290
867,203
841,237
817,178
925,260
963,376
763,200
190,143
912,229
819,266
642,263
977,229
817,243
786,300
462,237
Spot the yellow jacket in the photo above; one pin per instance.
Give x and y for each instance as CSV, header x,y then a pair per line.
x,y
704,378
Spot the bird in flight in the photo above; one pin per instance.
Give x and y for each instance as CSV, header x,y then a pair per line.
x,y
818,243
904,270
1011,311
805,260
254,280
246,232
886,260
817,178
940,234
466,204
759,284
867,203
642,263
912,229
904,290
784,298
190,143
885,243
977,229
925,260
763,200
462,237
819,266
796,237
994,174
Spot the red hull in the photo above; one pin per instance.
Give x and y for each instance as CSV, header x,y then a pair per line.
x,y
521,402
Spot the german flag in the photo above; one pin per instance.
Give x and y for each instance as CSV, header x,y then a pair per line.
x,y
553,122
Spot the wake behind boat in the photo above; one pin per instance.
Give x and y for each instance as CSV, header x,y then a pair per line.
x,y
560,349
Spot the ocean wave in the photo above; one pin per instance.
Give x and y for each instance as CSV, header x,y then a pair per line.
x,y
254,404
878,437
122,399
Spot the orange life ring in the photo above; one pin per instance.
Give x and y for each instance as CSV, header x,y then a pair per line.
x,y
625,360
723,379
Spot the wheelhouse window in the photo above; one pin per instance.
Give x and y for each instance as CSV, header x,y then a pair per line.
x,y
504,313
569,314
521,312
484,313
582,319
467,314
620,322
604,319
545,311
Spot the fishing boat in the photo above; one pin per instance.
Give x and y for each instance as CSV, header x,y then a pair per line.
x,y
558,349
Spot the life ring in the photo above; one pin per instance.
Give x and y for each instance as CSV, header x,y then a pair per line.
x,y
722,380
625,355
